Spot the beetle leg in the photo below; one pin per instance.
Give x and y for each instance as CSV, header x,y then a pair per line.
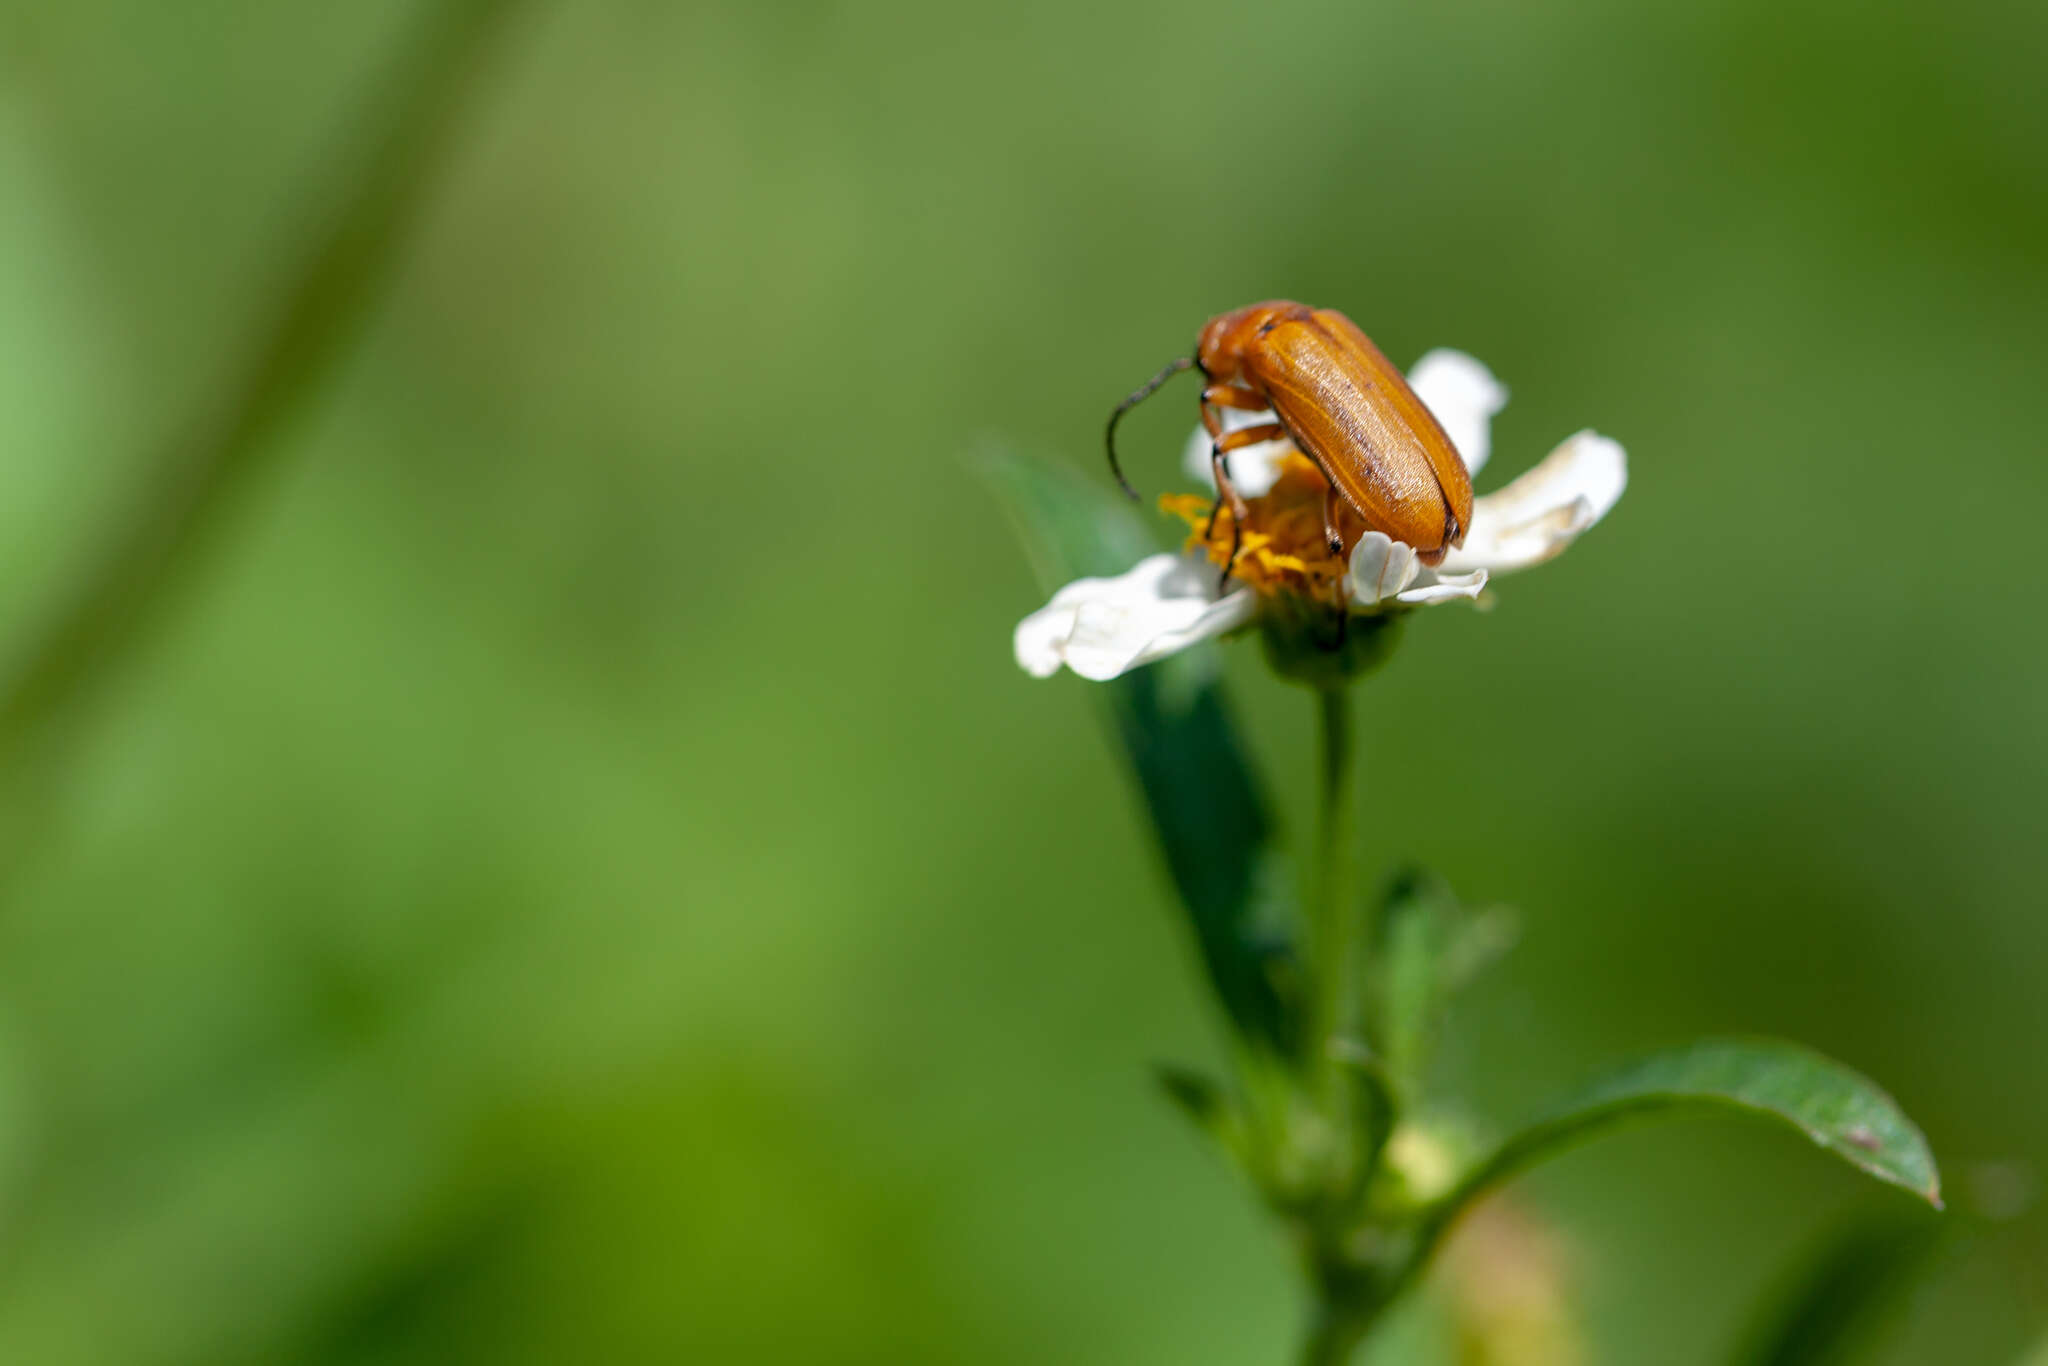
x,y
1238,511
1216,396
1332,503
1235,396
1250,436
1335,538
1220,447
1214,425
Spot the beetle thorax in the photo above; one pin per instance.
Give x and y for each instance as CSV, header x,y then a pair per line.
x,y
1230,337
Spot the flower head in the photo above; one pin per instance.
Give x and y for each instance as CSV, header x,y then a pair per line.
x,y
1281,566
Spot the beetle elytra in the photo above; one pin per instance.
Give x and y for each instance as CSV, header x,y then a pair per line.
x,y
1343,405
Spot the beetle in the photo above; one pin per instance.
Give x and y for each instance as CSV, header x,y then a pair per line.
x,y
1342,404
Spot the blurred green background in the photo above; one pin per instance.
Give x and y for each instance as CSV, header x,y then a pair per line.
x,y
573,873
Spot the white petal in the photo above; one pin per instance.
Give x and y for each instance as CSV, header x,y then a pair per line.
x,y
1432,588
1384,570
1100,628
1545,510
1464,395
1380,568
1252,468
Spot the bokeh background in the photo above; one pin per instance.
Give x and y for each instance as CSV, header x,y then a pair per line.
x,y
569,870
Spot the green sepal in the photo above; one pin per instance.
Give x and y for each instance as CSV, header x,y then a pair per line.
x,y
1325,647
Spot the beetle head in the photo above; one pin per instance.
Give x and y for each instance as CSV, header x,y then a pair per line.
x,y
1230,336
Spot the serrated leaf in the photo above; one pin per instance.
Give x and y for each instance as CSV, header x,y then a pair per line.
x,y
1206,806
1834,1106
1835,1305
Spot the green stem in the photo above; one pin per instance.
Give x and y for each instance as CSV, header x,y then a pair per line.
x,y
1330,917
1338,1327
1332,1338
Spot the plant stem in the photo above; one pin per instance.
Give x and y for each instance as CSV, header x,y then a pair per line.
x,y
1332,1338
1330,909
1337,1327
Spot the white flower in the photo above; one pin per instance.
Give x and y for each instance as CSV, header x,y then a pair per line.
x,y
1100,628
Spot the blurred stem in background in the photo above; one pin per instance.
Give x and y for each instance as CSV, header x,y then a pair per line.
x,y
191,486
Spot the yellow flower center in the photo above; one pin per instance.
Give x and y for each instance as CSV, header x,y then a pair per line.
x,y
1283,548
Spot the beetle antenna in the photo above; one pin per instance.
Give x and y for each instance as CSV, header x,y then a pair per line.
x,y
1139,395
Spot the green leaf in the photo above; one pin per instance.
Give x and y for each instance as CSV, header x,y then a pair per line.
x,y
1207,1105
1429,946
1837,1108
1831,1312
1211,817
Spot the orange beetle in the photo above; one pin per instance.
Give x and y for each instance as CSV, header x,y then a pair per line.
x,y
1343,405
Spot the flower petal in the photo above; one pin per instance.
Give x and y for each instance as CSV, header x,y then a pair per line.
x,y
1100,628
1539,514
1464,395
1252,468
1380,568
1430,588
1386,570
